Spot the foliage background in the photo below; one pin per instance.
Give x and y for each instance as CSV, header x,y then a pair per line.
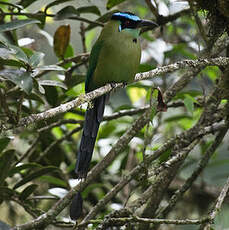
x,y
38,72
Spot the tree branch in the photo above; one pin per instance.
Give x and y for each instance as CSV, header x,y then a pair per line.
x,y
135,219
193,64
217,207
118,147
189,182
152,8
39,14
139,168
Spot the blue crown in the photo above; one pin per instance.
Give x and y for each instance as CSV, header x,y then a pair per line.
x,y
125,15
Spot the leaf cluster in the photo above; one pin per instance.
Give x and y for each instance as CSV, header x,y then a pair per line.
x,y
37,161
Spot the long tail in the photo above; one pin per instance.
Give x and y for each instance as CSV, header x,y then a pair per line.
x,y
93,118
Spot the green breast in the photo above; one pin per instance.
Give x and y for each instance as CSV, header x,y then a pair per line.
x,y
119,56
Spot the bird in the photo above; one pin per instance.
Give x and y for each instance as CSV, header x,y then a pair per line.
x,y
114,58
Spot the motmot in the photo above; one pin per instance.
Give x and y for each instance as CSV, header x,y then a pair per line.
x,y
114,58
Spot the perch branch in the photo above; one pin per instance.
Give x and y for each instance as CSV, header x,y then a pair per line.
x,y
193,64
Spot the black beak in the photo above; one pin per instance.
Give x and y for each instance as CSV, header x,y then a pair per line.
x,y
147,23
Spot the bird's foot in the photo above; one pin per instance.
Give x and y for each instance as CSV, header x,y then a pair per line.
x,y
124,84
113,85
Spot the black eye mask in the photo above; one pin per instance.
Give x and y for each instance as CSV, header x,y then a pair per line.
x,y
127,24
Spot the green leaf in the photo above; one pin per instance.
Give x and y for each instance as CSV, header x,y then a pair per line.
x,y
51,95
145,67
35,175
165,156
57,2
212,72
17,24
33,96
36,58
41,88
104,18
40,15
3,45
71,11
50,67
179,117
13,5
19,169
20,78
19,53
6,193
26,3
66,12
112,3
5,51
11,62
68,53
3,143
28,191
92,187
181,50
52,83
6,159
89,9
27,51
53,180
191,93
188,102
74,80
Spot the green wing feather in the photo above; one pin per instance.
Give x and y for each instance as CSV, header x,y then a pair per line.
x,y
92,65
93,118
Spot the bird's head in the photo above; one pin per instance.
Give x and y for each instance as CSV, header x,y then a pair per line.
x,y
129,21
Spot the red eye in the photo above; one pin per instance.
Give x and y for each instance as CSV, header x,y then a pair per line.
x,y
127,23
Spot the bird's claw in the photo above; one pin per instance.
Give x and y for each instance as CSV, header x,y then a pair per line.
x,y
124,84
113,85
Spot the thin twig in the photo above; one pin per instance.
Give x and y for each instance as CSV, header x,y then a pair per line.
x,y
152,8
216,207
162,20
154,193
124,220
28,152
59,123
189,182
199,23
46,151
4,105
18,116
82,34
128,112
35,15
